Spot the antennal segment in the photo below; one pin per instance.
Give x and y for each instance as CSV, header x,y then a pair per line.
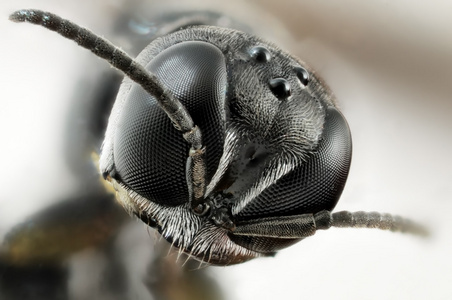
x,y
301,226
361,219
178,114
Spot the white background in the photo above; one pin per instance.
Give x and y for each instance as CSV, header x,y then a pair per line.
x,y
390,66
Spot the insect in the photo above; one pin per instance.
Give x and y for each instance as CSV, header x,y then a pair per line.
x,y
228,146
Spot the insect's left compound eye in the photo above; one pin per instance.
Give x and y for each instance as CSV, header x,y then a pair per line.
x,y
314,186
317,183
149,153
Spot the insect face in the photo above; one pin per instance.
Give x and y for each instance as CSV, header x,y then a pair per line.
x,y
230,147
275,144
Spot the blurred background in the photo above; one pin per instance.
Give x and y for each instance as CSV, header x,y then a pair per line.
x,y
389,64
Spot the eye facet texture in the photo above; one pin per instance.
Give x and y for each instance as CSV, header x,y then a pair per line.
x,y
317,183
150,154
314,186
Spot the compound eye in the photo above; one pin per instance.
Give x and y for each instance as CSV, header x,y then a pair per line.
x,y
280,87
303,76
150,155
319,180
260,54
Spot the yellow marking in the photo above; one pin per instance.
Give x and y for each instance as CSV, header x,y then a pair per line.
x,y
106,183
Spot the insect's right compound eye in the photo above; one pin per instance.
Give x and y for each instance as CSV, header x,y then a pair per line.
x,y
149,153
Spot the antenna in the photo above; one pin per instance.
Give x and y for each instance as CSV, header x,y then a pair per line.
x,y
119,59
